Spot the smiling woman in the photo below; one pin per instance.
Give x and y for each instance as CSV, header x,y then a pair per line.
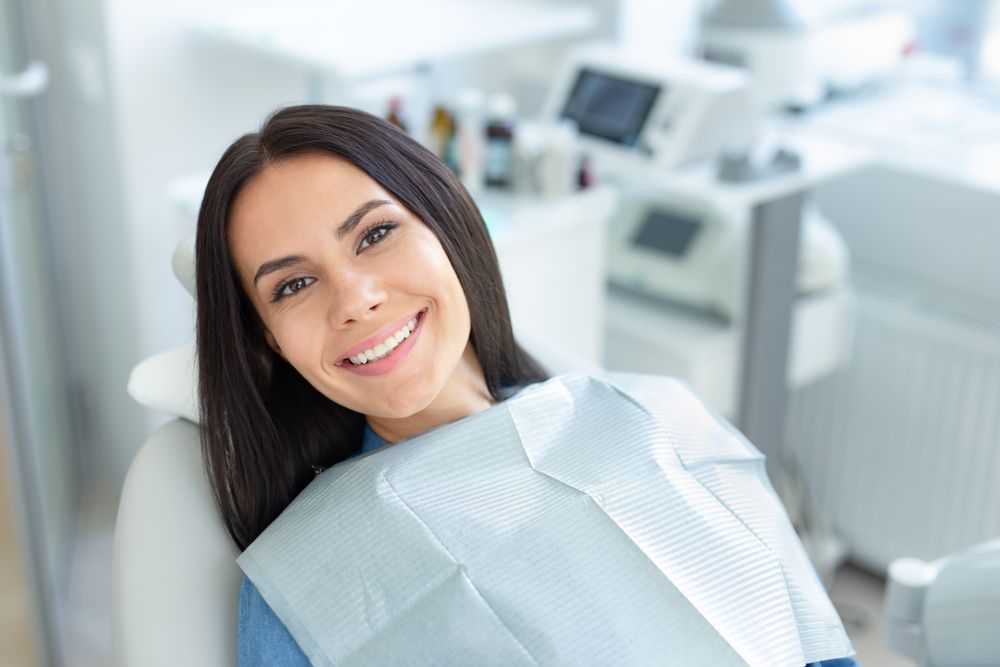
x,y
344,279
347,293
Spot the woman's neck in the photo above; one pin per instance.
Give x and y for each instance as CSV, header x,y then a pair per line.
x,y
465,393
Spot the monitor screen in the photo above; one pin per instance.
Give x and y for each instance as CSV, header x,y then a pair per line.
x,y
610,107
667,232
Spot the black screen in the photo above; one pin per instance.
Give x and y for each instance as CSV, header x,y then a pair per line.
x,y
610,107
667,232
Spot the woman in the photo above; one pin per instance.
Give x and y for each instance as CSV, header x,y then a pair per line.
x,y
348,297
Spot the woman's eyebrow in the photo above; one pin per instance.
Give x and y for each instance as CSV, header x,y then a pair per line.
x,y
276,265
354,218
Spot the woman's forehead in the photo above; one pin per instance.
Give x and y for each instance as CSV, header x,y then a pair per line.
x,y
302,195
298,183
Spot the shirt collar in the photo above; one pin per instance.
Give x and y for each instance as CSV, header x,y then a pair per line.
x,y
371,440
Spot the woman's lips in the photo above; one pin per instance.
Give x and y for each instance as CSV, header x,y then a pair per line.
x,y
368,343
394,358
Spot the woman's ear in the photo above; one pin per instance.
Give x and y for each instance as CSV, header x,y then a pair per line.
x,y
272,343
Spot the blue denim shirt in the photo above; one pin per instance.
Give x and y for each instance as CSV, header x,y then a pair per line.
x,y
264,641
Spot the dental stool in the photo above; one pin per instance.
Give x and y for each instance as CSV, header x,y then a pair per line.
x,y
946,613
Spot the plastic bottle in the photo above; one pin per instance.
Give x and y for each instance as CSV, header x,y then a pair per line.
x,y
529,155
559,171
585,174
500,141
469,138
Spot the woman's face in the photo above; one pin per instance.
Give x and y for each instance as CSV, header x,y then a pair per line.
x,y
354,291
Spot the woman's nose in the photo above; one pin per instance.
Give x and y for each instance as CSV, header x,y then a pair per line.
x,y
357,296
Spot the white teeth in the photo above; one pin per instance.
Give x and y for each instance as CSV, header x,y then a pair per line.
x,y
386,346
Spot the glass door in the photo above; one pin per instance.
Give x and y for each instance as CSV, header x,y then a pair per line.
x,y
42,482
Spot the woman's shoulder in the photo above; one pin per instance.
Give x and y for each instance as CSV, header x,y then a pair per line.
x,y
262,639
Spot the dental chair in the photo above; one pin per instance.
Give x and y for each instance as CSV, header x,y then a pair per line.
x,y
946,613
175,582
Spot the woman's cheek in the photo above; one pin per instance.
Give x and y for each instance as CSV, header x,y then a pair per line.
x,y
295,343
430,255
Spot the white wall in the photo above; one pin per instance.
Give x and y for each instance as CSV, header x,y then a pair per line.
x,y
135,101
659,28
178,102
94,267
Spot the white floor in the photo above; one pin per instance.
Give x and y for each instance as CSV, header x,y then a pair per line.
x,y
856,594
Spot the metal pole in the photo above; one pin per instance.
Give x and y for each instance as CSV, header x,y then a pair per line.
x,y
770,298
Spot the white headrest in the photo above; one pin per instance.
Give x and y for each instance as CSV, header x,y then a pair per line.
x,y
168,382
183,263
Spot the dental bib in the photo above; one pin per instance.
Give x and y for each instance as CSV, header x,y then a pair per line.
x,y
585,521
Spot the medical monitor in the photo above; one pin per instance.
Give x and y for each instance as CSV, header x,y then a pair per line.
x,y
667,231
610,107
634,110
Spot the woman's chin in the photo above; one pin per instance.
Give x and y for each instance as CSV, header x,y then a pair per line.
x,y
402,406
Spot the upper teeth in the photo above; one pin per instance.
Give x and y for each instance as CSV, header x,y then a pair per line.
x,y
386,346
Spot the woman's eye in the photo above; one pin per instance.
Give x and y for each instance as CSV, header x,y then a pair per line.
x,y
291,287
374,234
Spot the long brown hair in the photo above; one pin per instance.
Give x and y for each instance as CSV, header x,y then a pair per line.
x,y
263,425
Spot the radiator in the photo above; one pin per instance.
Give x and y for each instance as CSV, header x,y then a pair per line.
x,y
900,451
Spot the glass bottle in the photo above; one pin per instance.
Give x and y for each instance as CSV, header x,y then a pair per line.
x,y
396,113
500,141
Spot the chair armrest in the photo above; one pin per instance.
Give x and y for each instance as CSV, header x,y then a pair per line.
x,y
175,582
